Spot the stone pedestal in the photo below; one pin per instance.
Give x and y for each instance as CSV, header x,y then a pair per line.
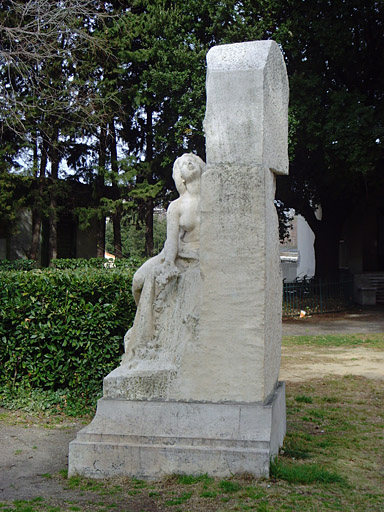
x,y
151,439
207,399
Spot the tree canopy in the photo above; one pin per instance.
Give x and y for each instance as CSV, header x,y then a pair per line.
x,y
109,94
332,51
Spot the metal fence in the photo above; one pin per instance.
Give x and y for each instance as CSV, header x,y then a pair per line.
x,y
317,296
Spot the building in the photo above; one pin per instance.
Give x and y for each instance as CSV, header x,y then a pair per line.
x,y
297,254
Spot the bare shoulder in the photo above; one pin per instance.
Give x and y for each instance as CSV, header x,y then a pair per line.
x,y
173,208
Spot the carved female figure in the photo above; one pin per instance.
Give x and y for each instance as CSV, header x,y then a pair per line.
x,y
181,251
183,223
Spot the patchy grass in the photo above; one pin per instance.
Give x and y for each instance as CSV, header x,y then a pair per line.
x,y
304,473
229,486
332,459
371,340
303,398
45,419
49,403
192,479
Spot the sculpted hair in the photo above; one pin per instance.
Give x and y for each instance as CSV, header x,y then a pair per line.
x,y
176,166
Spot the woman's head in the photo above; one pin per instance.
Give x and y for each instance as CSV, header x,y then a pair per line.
x,y
186,168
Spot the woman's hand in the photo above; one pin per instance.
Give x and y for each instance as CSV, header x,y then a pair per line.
x,y
165,272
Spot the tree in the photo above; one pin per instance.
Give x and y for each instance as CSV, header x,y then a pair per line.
x,y
162,52
38,32
133,98
155,68
337,96
42,101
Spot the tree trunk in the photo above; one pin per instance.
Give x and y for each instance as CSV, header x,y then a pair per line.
x,y
117,249
52,241
99,191
149,202
36,231
327,249
116,216
327,231
100,238
327,239
37,205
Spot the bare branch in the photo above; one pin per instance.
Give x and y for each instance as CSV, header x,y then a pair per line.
x,y
36,34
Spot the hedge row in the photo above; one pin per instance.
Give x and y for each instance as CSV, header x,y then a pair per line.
x,y
72,263
63,328
18,264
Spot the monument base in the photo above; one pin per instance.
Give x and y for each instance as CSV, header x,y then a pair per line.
x,y
148,440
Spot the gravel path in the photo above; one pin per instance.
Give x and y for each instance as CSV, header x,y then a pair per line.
x,y
356,320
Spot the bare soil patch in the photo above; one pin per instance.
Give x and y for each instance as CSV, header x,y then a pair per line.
x,y
303,363
32,451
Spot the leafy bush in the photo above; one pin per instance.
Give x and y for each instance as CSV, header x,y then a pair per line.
x,y
73,263
63,328
17,264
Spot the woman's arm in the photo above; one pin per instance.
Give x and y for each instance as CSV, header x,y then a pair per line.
x,y
171,247
167,270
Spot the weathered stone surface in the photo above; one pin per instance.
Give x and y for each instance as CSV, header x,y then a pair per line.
x,y
167,291
246,119
246,136
150,371
153,439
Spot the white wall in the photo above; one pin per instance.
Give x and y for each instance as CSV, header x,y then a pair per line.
x,y
305,246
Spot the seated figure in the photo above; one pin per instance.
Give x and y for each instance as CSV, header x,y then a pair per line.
x,y
159,282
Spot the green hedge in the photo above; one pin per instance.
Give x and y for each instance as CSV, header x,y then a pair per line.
x,y
72,263
18,264
63,328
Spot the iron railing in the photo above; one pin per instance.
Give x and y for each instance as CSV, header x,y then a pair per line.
x,y
313,296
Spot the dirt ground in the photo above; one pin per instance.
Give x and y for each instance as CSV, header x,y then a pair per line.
x,y
33,452
300,363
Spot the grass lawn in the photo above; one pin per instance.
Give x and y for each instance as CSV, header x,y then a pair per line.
x,y
332,460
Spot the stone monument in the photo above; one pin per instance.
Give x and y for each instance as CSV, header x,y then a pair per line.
x,y
197,391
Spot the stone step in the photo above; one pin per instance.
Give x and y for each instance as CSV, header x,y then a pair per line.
x,y
377,281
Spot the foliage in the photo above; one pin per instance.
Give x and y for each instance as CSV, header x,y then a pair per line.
x,y
119,93
337,100
63,328
17,264
38,401
100,263
132,237
40,40
10,200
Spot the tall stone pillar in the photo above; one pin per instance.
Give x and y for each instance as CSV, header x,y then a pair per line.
x,y
246,127
209,400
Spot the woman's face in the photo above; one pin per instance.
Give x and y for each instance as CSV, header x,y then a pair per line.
x,y
189,168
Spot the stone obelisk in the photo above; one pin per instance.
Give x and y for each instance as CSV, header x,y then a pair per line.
x,y
221,409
